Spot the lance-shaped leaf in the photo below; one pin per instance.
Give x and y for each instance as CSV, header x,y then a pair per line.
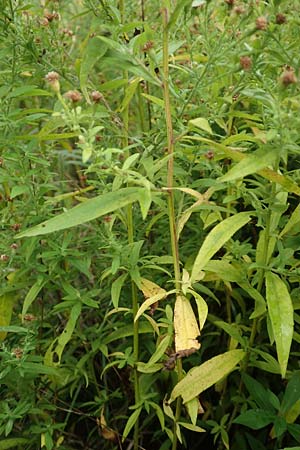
x,y
217,237
185,325
53,355
6,308
251,164
200,378
281,313
86,211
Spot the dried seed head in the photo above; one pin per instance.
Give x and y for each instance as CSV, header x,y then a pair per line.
x,y
288,77
280,19
74,96
51,16
67,32
16,226
230,2
107,219
18,352
239,9
96,96
246,62
14,246
52,79
4,258
29,317
261,23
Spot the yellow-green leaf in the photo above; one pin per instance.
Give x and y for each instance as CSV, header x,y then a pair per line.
x,y
6,308
217,237
251,164
185,325
281,313
201,123
200,378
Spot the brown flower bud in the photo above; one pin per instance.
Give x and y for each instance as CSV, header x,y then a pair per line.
x,y
16,226
74,96
14,246
239,9
29,317
288,77
4,258
246,62
280,19
261,23
148,45
209,155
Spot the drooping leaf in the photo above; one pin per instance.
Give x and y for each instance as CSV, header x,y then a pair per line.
x,y
200,378
280,310
216,238
12,443
185,325
86,211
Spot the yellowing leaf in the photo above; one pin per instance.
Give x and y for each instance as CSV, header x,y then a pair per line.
x,y
201,123
185,325
6,307
200,378
149,288
281,313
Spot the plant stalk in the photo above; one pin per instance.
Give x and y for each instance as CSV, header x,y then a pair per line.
x,y
170,182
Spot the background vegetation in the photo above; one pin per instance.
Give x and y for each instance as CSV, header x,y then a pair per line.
x,y
149,246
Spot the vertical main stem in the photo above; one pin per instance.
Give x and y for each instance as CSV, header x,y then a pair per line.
x,y
170,181
130,237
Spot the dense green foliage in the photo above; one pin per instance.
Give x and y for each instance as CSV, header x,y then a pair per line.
x,y
149,246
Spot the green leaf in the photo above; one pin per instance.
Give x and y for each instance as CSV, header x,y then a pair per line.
x,y
259,394
217,237
120,333
19,190
6,308
177,10
280,310
293,221
192,427
255,419
130,422
251,164
160,350
53,355
28,91
292,393
116,289
86,211
129,92
32,295
201,123
12,443
200,378
94,50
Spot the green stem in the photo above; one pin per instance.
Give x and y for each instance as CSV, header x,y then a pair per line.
x,y
170,181
130,237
